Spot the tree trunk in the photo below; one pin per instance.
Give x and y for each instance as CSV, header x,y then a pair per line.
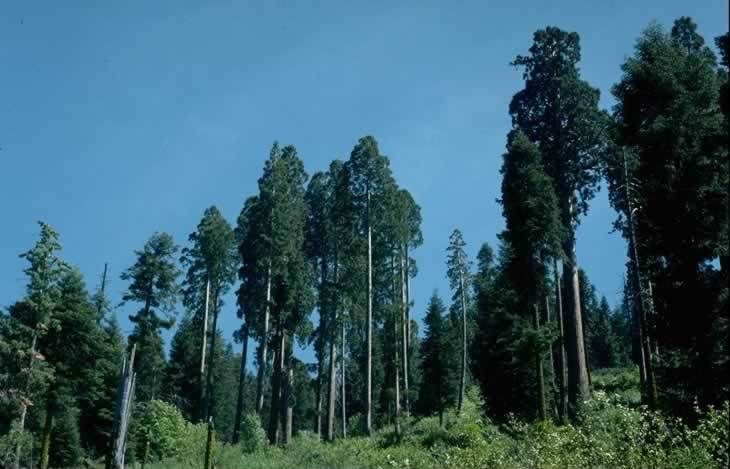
x,y
553,387
369,371
541,404
46,437
275,414
578,387
202,352
323,335
209,385
332,388
264,346
644,303
23,400
210,439
241,385
289,400
397,377
125,397
342,392
560,344
404,331
318,398
462,380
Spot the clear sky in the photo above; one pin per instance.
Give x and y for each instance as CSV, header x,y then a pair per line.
x,y
118,119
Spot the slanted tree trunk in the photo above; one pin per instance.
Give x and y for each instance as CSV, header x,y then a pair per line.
x,y
462,380
241,384
644,303
125,397
342,392
369,371
539,373
203,386
209,385
404,331
46,436
264,346
562,369
578,386
332,389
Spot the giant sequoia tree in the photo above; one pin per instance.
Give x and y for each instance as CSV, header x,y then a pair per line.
x,y
558,112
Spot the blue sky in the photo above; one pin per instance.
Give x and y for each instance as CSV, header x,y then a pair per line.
x,y
133,117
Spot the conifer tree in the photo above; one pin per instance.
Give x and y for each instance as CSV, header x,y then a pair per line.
x,y
459,279
558,112
434,397
534,233
672,135
370,180
153,283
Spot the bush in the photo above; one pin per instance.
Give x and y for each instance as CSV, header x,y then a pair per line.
x,y
253,436
607,434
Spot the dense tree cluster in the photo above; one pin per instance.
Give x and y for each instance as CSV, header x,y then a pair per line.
x,y
326,262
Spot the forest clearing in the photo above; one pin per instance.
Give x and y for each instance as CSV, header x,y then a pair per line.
x,y
293,335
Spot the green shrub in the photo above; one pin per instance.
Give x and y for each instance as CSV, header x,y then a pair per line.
x,y
253,436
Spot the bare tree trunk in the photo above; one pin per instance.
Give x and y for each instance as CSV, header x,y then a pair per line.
x,y
202,352
318,398
541,404
578,386
277,379
332,391
553,387
264,346
241,385
100,300
209,385
562,354
46,437
125,397
397,377
323,336
408,301
369,391
404,331
342,392
462,380
288,400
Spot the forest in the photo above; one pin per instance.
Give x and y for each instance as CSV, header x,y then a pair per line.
x,y
521,364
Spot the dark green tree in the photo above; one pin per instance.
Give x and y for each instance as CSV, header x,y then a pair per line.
x,y
370,182
673,157
533,232
153,283
434,397
211,261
